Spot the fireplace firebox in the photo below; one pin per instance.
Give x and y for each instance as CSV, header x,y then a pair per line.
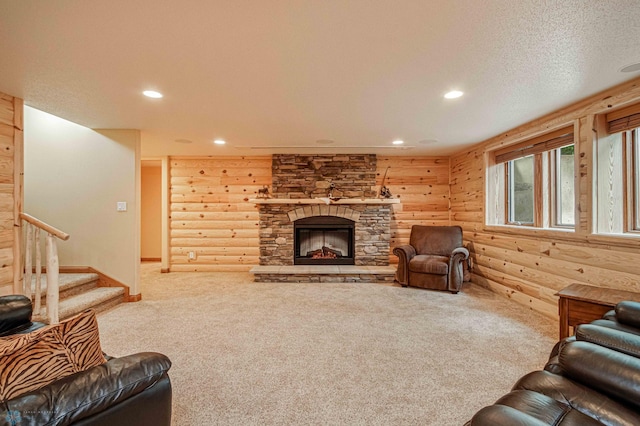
x,y
324,240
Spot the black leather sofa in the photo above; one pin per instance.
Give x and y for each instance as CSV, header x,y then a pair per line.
x,y
592,378
131,390
15,315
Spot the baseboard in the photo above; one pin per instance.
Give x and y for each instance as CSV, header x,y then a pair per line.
x,y
164,270
135,298
150,259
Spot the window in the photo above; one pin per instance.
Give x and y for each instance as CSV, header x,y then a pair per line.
x,y
636,178
563,188
520,191
617,174
532,182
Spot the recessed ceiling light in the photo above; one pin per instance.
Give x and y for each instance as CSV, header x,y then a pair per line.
x,y
397,142
219,142
324,141
631,67
453,94
152,94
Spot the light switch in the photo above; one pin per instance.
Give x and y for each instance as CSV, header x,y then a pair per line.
x,y
121,206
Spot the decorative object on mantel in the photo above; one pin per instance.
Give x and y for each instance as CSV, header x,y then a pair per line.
x,y
264,192
384,191
331,188
330,193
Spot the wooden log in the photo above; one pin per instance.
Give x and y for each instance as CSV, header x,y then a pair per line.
x,y
250,190
231,162
215,260
211,268
28,262
45,227
219,171
252,216
38,293
53,290
214,207
194,243
203,234
214,224
218,251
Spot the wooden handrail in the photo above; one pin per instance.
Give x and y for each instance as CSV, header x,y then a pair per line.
x,y
32,246
46,227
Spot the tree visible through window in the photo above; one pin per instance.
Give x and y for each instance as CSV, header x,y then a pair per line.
x,y
563,187
521,196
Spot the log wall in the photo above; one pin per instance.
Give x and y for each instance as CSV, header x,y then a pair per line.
x,y
11,127
211,215
531,265
422,185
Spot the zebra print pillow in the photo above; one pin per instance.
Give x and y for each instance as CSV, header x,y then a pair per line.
x,y
31,361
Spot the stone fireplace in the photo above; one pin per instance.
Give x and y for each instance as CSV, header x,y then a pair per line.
x,y
347,234
370,218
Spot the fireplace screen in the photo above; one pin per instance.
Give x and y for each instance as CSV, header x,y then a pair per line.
x,y
324,240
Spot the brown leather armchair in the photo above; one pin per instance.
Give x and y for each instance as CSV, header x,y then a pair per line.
x,y
434,258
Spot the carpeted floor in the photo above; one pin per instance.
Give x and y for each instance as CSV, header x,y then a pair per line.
x,y
248,353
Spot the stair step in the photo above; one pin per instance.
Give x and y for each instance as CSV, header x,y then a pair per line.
x,y
70,284
98,299
78,292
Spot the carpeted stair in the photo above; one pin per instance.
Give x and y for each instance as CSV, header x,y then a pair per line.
x,y
80,291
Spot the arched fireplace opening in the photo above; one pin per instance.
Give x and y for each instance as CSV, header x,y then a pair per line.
x,y
324,240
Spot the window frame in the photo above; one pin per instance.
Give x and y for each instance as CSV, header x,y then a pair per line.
x,y
541,147
632,180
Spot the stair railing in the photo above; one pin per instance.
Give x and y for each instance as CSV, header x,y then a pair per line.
x,y
32,246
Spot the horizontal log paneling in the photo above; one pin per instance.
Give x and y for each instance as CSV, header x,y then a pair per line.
x,y
216,260
211,214
422,185
530,266
219,267
214,224
220,251
531,302
213,233
202,243
213,207
219,172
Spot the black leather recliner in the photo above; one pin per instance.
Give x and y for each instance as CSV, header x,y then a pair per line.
x,y
591,379
15,315
130,390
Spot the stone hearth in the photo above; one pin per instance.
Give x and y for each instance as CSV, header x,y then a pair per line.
x,y
324,274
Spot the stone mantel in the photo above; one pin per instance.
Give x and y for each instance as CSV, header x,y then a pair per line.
x,y
344,201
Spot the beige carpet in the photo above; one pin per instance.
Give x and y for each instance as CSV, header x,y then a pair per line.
x,y
248,353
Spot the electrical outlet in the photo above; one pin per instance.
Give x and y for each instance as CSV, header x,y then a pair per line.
x,y
192,255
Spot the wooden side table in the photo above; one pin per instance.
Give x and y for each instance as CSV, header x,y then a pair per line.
x,y
580,304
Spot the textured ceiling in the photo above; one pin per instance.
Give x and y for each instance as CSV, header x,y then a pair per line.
x,y
275,76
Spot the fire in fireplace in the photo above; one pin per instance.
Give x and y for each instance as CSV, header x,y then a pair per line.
x,y
324,240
